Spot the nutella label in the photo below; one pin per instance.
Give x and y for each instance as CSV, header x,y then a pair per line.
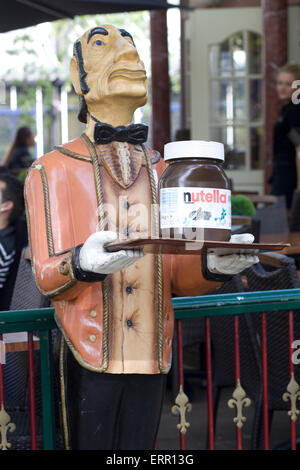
x,y
195,207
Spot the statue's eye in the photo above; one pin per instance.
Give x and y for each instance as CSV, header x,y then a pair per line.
x,y
98,42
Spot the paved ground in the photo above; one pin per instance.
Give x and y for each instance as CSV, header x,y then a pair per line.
x,y
225,429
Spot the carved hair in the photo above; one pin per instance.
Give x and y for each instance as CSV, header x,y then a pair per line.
x,y
83,110
77,52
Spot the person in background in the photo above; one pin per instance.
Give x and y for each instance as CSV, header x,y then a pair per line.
x,y
286,137
13,234
183,134
18,156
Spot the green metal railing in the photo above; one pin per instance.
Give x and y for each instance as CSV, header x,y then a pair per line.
x,y
42,321
236,304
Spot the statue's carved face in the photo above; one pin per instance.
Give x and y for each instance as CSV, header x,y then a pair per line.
x,y
107,64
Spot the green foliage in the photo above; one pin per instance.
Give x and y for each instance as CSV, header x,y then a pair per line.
x,y
175,83
25,119
22,175
26,102
64,33
22,43
60,38
241,205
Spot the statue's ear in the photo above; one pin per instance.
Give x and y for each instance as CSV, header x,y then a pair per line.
x,y
74,74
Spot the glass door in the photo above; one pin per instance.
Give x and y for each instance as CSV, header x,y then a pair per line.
x,y
225,88
235,98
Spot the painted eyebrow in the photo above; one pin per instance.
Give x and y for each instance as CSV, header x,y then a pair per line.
x,y
97,30
125,33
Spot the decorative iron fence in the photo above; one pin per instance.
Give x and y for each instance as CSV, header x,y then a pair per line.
x,y
39,322
238,306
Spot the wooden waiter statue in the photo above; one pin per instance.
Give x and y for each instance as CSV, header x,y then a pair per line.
x,y
114,310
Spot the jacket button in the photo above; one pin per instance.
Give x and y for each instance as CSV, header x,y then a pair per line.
x,y
93,313
126,204
129,323
92,338
128,289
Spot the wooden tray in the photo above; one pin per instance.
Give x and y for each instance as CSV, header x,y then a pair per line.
x,y
193,247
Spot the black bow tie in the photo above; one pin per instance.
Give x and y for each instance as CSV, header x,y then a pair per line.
x,y
134,134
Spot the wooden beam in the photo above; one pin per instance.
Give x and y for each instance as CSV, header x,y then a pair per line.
x,y
183,17
274,56
160,80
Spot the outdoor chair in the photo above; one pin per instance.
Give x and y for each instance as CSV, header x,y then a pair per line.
x,y
279,273
192,341
273,217
253,228
295,212
223,354
282,275
193,338
25,296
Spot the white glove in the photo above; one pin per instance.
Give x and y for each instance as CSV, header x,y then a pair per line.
x,y
94,258
225,261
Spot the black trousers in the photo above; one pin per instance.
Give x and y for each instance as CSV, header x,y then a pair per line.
x,y
110,411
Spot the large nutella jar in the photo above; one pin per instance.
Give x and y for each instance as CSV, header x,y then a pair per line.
x,y
194,192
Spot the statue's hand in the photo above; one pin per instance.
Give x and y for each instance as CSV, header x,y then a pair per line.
x,y
222,261
94,258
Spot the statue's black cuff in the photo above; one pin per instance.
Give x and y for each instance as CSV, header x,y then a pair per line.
x,y
80,274
212,276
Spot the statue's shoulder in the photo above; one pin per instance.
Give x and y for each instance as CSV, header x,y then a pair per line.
x,y
154,155
62,156
76,148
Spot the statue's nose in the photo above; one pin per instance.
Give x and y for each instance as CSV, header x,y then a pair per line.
x,y
126,51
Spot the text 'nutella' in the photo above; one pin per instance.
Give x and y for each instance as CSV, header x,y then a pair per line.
x,y
195,196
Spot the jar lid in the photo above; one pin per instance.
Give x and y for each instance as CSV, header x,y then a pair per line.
x,y
194,149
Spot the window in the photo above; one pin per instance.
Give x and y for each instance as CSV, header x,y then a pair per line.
x,y
236,99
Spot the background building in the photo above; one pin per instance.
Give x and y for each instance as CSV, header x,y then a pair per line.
x,y
232,50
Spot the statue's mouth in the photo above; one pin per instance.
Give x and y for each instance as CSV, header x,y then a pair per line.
x,y
133,74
